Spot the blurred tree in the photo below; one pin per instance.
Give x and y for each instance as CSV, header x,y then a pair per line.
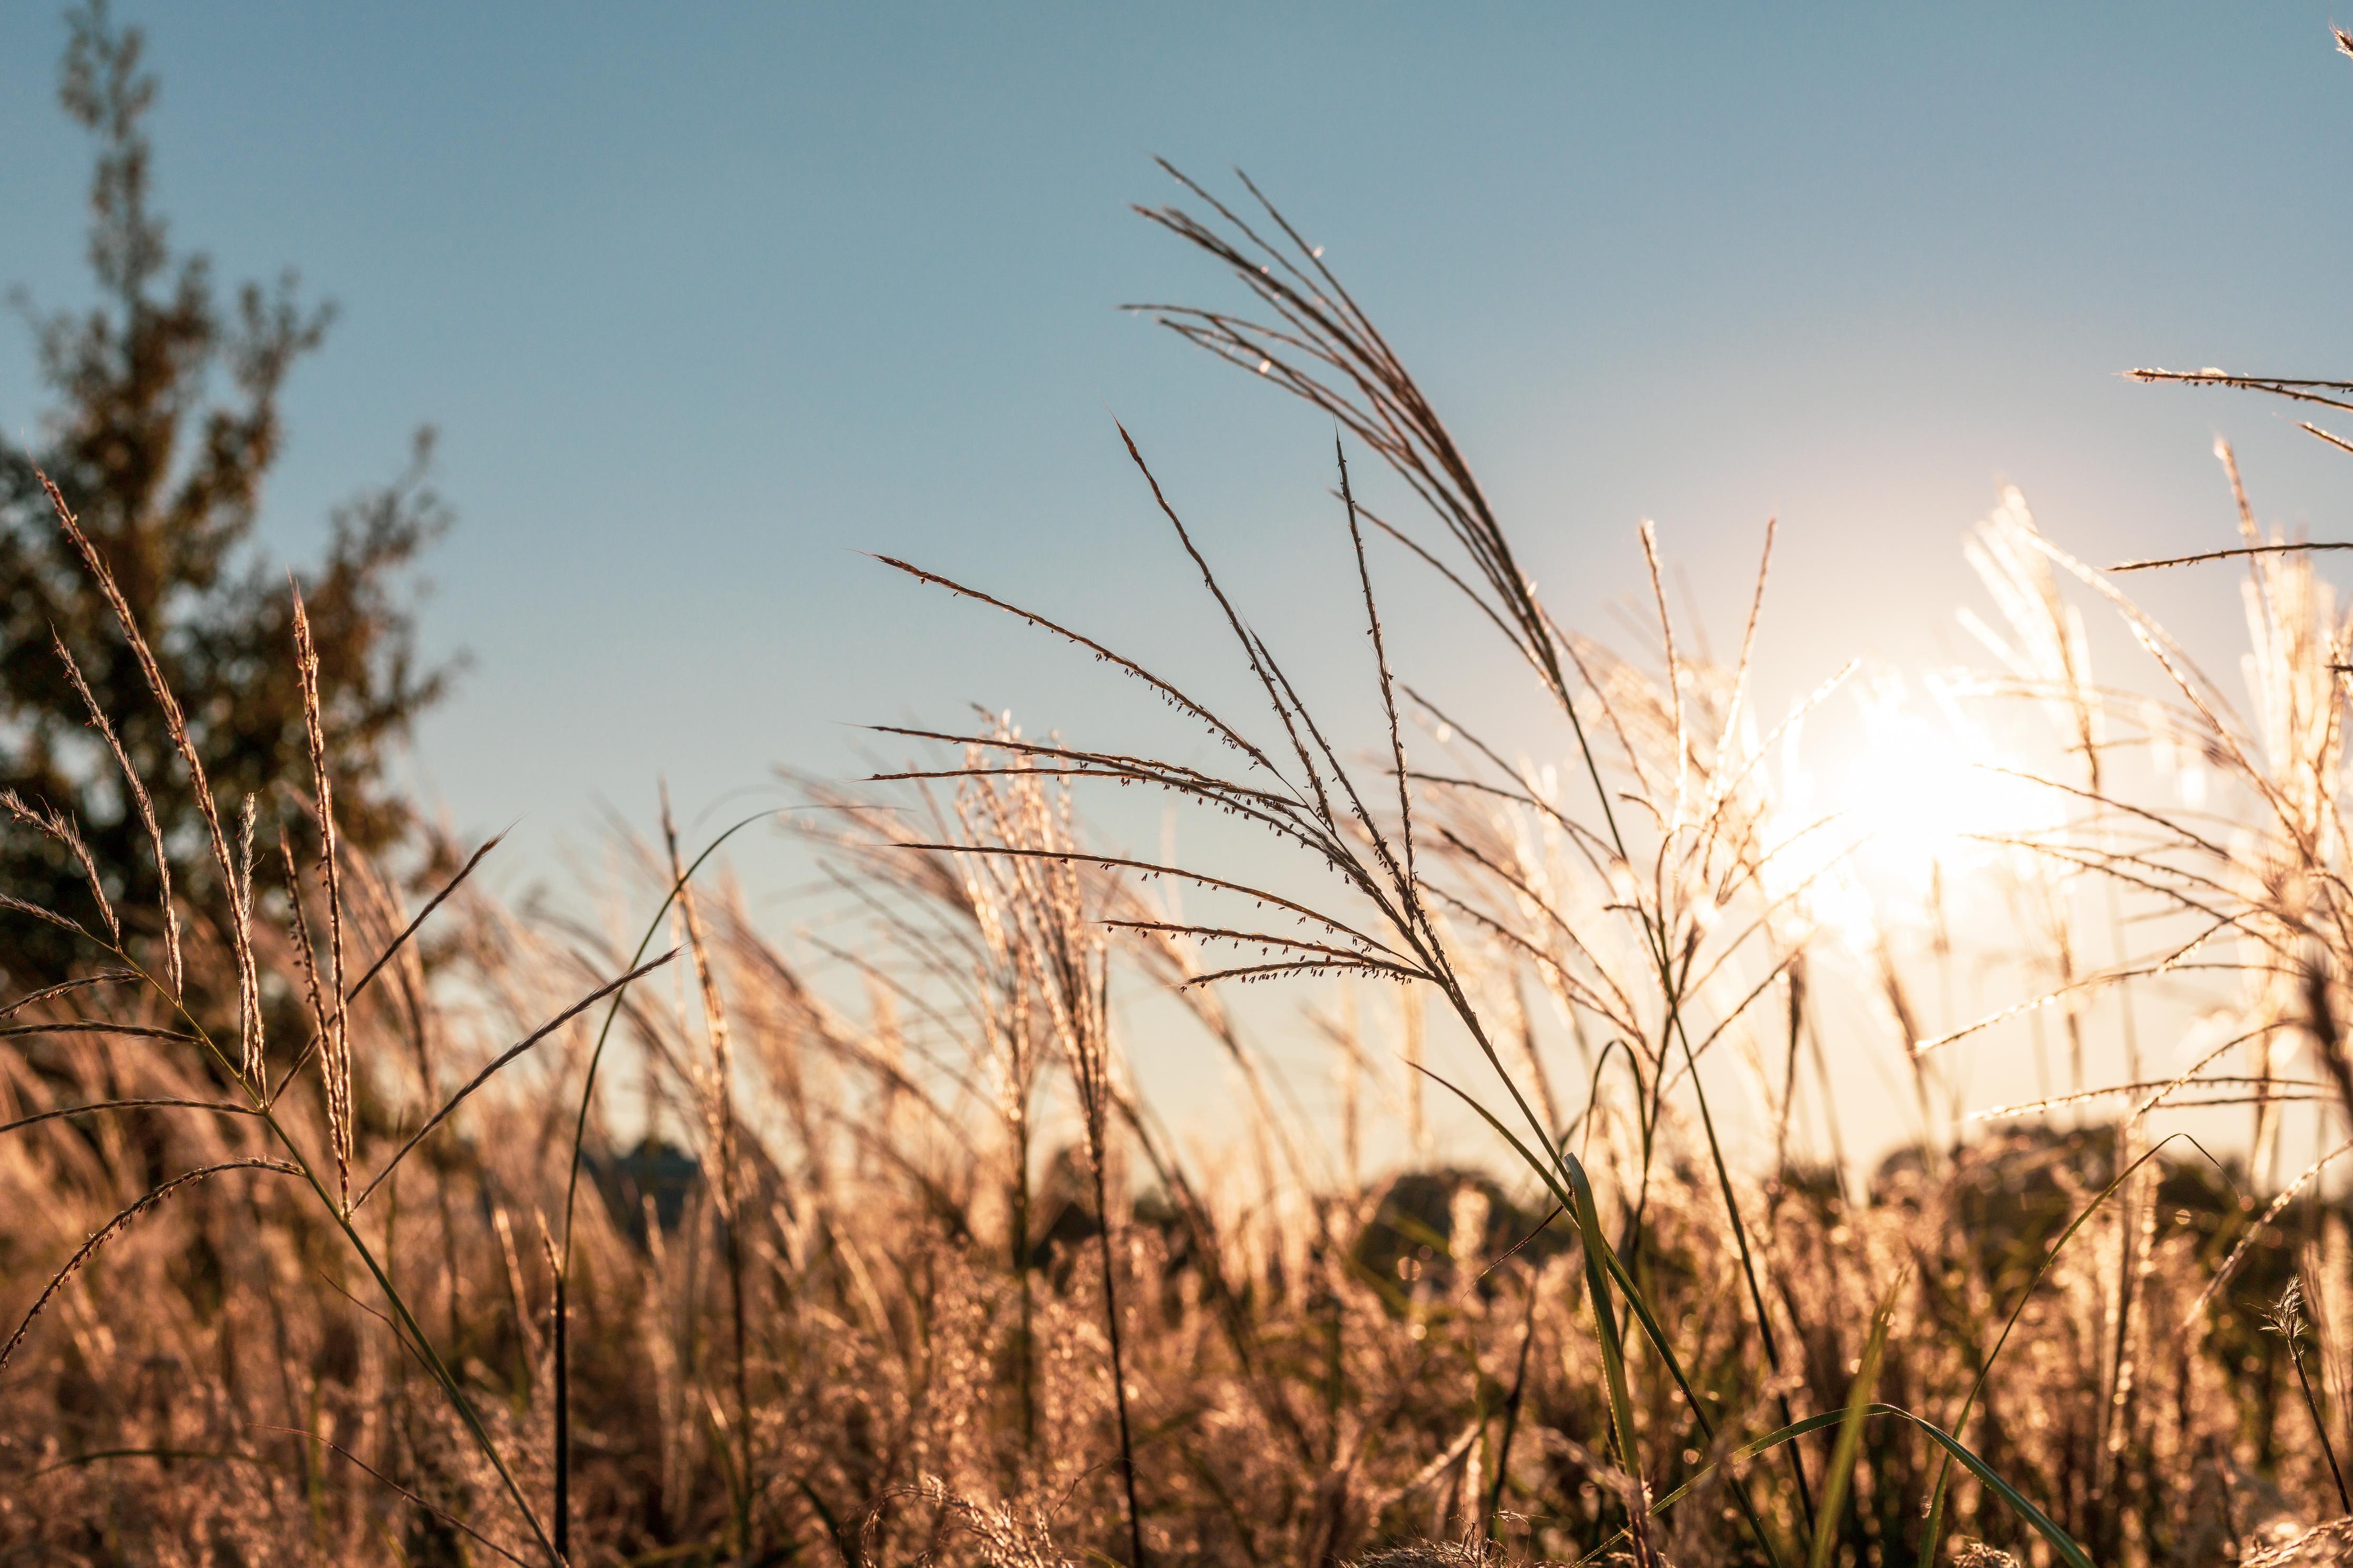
x,y
165,423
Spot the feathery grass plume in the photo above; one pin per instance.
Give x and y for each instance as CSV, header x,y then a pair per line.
x,y
984,890
2046,651
718,1086
335,1088
1326,350
2263,902
976,951
60,828
2285,1318
2050,664
136,788
98,1237
1067,963
335,1053
2283,891
249,995
174,722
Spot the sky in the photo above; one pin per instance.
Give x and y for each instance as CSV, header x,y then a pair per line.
x,y
708,302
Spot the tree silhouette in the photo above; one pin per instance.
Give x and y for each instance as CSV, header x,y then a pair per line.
x,y
165,423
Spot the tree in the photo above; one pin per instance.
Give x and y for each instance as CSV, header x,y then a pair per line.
x,y
165,425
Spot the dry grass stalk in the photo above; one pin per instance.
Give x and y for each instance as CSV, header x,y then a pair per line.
x,y
335,1055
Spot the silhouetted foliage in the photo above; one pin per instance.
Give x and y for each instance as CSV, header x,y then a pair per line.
x,y
1410,1245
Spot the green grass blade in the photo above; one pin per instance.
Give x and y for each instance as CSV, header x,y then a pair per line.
x,y
1749,1450
1604,1321
1850,1435
1626,1286
2061,1541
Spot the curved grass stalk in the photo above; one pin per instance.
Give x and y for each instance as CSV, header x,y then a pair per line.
x,y
562,1505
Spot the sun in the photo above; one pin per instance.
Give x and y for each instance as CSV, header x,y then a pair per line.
x,y
1898,803
1923,801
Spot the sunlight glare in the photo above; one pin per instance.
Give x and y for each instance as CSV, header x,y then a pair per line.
x,y
1892,807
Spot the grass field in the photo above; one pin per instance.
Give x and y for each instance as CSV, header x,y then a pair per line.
x,y
328,1245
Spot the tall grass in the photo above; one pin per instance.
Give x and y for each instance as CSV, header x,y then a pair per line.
x,y
865,1246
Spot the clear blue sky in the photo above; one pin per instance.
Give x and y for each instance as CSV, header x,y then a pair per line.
x,y
707,299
